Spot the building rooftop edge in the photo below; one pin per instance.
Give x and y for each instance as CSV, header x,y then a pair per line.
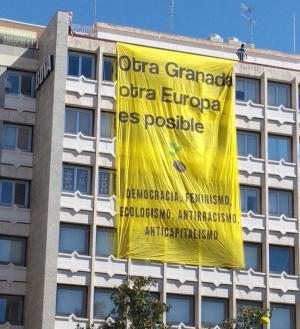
x,y
188,39
175,37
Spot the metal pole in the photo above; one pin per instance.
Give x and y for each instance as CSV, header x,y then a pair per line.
x,y
171,15
95,13
294,31
251,25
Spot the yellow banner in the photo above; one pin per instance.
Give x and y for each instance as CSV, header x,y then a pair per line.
x,y
177,184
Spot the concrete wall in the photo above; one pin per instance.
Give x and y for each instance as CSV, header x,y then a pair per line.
x,y
46,184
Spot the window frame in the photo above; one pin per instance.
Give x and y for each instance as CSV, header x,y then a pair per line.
x,y
20,74
253,188
24,249
291,254
79,110
192,312
259,255
112,181
21,298
86,242
76,168
225,301
289,150
257,89
83,54
97,289
112,231
247,133
113,61
286,306
73,287
113,133
14,182
279,191
277,84
17,126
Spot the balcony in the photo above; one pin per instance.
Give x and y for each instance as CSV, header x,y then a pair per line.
x,y
282,169
12,273
111,266
281,115
107,204
81,85
249,110
283,224
284,282
70,322
108,89
14,214
20,103
252,221
16,157
76,201
251,165
107,152
74,262
250,279
216,276
80,143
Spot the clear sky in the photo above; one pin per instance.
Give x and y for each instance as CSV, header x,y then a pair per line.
x,y
196,18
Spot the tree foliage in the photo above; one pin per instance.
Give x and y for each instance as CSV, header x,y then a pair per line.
x,y
135,307
248,318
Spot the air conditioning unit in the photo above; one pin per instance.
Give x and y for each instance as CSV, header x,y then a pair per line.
x,y
215,37
233,41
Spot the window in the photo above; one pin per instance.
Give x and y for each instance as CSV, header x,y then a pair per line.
x,y
250,199
103,305
71,300
281,259
109,68
283,316
280,203
249,304
182,309
105,241
107,182
248,143
279,94
17,137
213,311
80,64
279,147
247,89
12,250
14,192
77,120
108,124
76,179
11,309
74,238
253,254
18,82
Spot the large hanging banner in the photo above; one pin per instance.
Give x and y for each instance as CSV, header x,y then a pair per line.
x,y
177,182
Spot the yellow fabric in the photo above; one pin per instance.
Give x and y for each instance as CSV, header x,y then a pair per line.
x,y
177,184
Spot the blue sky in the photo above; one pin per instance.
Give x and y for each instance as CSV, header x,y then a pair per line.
x,y
196,18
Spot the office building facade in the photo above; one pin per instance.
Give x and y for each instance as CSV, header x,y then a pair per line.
x,y
57,182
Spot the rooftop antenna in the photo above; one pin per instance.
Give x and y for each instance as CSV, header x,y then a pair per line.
x,y
294,31
171,15
95,12
247,12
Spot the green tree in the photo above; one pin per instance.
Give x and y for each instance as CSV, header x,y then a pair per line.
x,y
135,307
248,318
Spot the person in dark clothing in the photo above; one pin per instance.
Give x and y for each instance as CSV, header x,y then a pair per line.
x,y
241,53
